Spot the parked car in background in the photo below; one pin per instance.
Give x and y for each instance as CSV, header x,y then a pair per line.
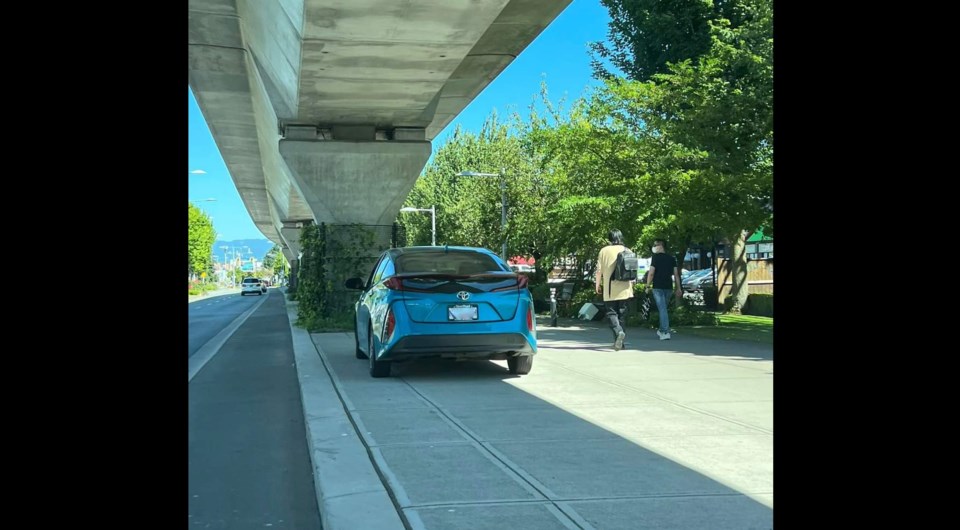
x,y
697,280
446,302
526,269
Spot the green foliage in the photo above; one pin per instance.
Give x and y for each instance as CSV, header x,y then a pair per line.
x,y
200,239
646,35
727,303
711,296
275,262
682,313
737,327
351,251
687,315
331,255
311,277
328,324
759,304
468,209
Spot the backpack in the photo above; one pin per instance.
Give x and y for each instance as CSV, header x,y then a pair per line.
x,y
625,269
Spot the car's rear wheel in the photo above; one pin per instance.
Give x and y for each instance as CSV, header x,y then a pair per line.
x,y
377,368
520,365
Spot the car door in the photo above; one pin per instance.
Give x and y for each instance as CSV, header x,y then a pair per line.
x,y
365,302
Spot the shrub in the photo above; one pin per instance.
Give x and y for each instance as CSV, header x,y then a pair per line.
x,y
710,297
682,314
727,303
582,294
759,304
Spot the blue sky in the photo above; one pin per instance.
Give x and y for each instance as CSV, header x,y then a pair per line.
x,y
558,56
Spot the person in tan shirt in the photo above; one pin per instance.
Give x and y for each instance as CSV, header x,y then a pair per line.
x,y
616,294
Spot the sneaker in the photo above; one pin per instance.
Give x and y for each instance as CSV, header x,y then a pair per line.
x,y
618,344
664,336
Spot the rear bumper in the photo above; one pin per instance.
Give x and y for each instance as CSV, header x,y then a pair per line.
x,y
486,346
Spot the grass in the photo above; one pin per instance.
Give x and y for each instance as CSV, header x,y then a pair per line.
x,y
327,324
736,327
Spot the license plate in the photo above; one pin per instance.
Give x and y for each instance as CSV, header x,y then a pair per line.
x,y
462,312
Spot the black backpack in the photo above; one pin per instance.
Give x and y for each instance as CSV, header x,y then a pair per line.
x,y
625,270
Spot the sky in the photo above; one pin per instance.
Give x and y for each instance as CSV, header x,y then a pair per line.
x,y
559,56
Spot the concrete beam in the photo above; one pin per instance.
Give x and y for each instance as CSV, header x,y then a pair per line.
x,y
355,182
291,237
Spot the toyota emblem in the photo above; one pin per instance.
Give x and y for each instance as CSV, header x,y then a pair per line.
x,y
463,295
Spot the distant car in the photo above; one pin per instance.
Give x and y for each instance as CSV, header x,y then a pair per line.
x,y
252,285
447,302
527,269
697,280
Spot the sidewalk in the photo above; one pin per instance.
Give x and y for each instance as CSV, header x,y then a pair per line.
x,y
674,432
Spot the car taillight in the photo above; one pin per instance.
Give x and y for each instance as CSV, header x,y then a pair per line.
x,y
389,326
521,284
530,319
394,284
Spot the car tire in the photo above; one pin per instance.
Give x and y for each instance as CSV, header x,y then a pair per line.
x,y
520,365
377,368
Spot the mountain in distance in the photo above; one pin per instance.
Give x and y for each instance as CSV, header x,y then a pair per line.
x,y
258,248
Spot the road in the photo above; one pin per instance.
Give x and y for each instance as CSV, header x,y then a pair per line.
x,y
209,316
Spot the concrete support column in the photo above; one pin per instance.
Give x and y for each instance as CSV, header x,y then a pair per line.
x,y
362,182
294,269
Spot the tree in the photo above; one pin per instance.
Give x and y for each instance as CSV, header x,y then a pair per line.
x,y
709,124
686,155
469,208
275,261
200,239
647,35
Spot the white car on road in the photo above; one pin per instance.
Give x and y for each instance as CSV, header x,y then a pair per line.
x,y
251,285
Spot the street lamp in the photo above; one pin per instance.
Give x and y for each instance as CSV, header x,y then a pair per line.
x,y
503,202
433,220
224,249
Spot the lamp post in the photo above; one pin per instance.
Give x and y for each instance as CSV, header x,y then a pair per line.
x,y
224,248
433,220
503,202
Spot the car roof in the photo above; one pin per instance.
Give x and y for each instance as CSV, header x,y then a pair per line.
x,y
394,252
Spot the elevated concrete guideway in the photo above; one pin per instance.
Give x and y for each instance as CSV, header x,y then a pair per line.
x,y
324,110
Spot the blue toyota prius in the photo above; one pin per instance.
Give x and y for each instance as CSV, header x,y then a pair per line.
x,y
447,302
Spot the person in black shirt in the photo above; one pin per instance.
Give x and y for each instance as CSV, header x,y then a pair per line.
x,y
663,277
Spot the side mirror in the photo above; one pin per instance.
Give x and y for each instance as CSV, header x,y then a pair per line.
x,y
354,283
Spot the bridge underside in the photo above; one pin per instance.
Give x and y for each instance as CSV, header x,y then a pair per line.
x,y
324,110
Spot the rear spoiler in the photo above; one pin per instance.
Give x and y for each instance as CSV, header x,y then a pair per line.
x,y
395,282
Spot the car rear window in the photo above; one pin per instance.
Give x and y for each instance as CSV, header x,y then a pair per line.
x,y
251,280
451,262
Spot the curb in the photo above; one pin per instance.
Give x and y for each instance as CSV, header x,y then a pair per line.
x,y
350,494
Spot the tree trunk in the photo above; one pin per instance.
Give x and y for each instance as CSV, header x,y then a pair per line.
x,y
738,271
